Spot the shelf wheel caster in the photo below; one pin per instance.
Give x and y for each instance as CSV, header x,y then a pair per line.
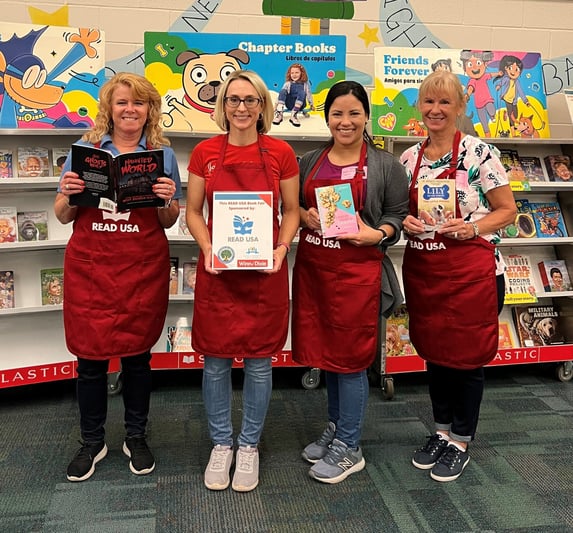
x,y
114,384
387,388
565,371
311,379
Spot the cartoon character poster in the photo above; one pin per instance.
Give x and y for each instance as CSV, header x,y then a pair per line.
x,y
50,76
503,90
189,68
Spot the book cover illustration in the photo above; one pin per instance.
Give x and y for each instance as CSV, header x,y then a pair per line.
x,y
8,224
188,68
119,182
538,325
504,90
7,300
436,202
179,336
6,164
52,285
51,75
524,225
32,226
559,168
336,210
189,276
548,219
398,333
505,337
510,161
174,275
532,168
519,284
59,156
554,275
33,162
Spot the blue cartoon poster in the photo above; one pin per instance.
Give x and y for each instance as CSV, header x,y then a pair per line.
x,y
503,90
189,68
50,76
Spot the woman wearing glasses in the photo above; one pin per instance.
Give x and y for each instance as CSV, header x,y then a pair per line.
x,y
240,313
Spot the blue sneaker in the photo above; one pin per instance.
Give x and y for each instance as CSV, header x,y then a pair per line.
x,y
426,456
316,450
450,465
339,462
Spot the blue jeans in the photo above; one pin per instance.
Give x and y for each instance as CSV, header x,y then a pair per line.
x,y
217,397
347,397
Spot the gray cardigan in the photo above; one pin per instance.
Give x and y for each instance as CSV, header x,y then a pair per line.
x,y
386,203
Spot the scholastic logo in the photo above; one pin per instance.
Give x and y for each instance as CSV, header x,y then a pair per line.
x,y
37,374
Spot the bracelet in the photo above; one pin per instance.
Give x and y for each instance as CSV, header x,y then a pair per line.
x,y
476,229
167,204
285,245
384,236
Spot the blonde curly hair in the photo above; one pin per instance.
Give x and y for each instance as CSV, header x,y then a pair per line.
x,y
141,89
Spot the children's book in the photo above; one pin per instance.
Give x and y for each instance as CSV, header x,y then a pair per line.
x,y
398,333
436,202
519,284
505,337
7,289
510,161
32,226
559,168
119,182
8,225
532,168
189,276
538,325
174,275
179,336
548,219
59,156
523,226
6,165
33,162
336,210
554,275
52,284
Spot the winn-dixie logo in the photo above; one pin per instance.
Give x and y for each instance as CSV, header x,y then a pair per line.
x,y
432,192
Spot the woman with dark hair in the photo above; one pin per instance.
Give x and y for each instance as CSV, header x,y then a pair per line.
x,y
337,282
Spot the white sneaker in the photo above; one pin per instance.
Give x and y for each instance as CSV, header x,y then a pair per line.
x,y
294,120
246,475
217,471
278,118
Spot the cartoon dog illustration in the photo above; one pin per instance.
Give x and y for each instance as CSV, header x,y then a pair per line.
x,y
525,127
415,128
202,77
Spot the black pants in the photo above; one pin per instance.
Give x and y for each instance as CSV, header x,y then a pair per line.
x,y
92,395
457,394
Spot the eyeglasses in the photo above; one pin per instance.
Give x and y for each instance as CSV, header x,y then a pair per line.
x,y
250,101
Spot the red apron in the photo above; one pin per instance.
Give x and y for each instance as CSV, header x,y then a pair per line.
x,y
241,313
451,293
336,292
116,283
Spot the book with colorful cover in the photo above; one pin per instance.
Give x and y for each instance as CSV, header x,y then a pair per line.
x,y
532,168
7,300
554,275
174,275
189,276
523,226
548,219
52,286
510,160
559,168
6,164
436,202
505,337
59,156
33,162
179,336
519,283
398,333
336,210
8,224
32,226
124,181
538,325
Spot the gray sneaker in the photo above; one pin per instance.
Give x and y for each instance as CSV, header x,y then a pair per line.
x,y
246,475
338,463
316,450
217,471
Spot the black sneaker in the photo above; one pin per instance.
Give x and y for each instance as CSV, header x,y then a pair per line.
x,y
83,464
450,465
142,461
426,457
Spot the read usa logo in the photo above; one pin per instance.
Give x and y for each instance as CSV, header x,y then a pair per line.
x,y
116,223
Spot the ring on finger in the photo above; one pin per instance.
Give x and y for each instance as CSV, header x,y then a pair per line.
x,y
67,187
455,234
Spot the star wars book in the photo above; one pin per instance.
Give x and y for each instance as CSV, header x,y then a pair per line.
x,y
119,182
519,284
538,325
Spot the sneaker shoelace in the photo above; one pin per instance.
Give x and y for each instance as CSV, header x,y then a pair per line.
x,y
85,451
450,457
326,438
335,453
433,444
219,459
246,460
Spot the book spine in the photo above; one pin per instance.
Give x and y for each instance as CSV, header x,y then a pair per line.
x,y
543,276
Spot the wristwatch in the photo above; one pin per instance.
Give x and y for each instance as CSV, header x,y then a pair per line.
x,y
384,236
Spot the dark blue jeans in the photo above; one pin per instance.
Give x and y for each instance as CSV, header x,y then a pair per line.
x,y
92,395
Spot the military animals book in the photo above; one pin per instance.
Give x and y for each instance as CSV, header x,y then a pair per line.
x,y
119,182
538,325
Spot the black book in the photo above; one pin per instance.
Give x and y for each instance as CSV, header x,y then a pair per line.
x,y
124,181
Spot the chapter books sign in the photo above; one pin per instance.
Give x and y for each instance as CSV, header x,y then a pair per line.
x,y
188,68
504,91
